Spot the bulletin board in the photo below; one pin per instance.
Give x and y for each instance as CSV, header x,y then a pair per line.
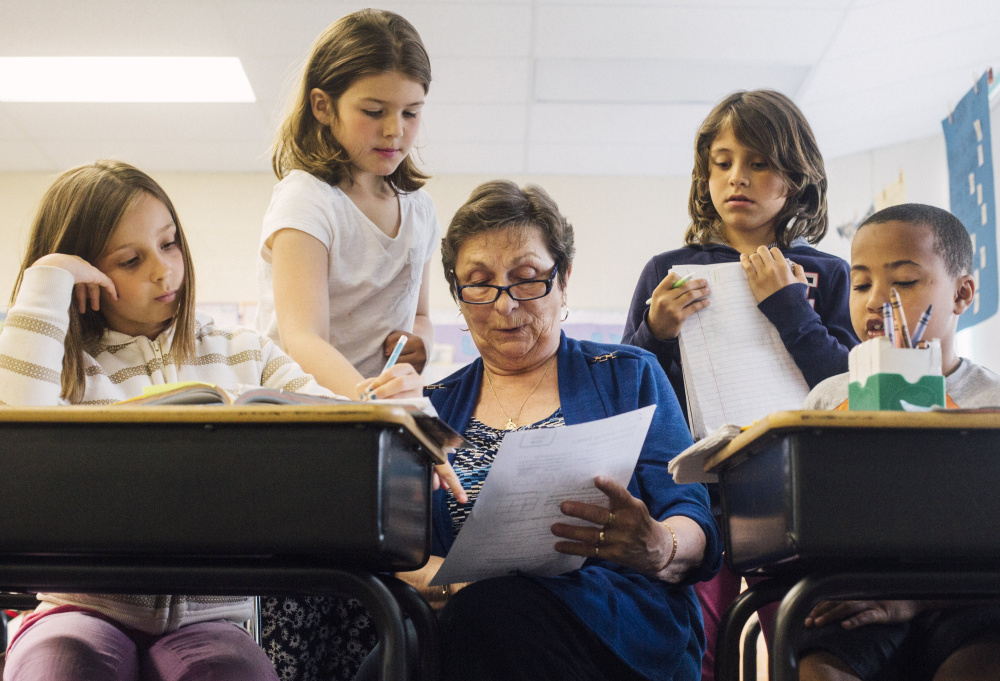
x,y
970,175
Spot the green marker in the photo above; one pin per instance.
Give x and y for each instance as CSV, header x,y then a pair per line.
x,y
677,284
683,280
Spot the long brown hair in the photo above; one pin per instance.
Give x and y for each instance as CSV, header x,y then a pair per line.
x,y
77,216
366,43
769,123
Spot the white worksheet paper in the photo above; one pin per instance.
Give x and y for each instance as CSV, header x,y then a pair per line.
x,y
509,527
736,367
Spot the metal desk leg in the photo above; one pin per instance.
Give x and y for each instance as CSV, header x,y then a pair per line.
x,y
727,643
387,614
424,621
750,651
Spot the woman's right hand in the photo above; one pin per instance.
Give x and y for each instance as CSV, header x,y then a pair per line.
x,y
670,307
88,280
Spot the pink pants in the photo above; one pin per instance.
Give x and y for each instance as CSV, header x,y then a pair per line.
x,y
77,646
715,596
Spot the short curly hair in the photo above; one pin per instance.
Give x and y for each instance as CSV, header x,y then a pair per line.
x,y
951,238
501,204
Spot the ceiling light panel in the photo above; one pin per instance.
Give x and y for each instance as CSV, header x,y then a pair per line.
x,y
124,79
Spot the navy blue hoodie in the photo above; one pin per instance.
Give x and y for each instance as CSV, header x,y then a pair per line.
x,y
814,320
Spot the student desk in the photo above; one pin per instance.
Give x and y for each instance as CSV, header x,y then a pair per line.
x,y
855,505
222,500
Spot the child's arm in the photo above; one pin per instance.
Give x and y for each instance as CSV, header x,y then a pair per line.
x,y
818,339
637,331
281,372
302,306
32,344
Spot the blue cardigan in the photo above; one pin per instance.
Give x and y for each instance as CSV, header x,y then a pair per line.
x,y
653,626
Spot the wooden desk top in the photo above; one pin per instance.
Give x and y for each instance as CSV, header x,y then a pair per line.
x,y
257,414
784,421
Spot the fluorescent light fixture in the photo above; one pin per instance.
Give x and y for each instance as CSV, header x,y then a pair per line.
x,y
124,79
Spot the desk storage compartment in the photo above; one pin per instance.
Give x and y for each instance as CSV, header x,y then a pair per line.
x,y
348,493
811,496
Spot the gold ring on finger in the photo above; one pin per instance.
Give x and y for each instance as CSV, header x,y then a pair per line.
x,y
600,538
611,519
597,550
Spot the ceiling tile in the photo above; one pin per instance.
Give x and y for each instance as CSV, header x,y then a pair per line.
x,y
207,123
24,155
481,80
486,123
658,80
738,34
163,156
634,124
609,159
54,28
470,158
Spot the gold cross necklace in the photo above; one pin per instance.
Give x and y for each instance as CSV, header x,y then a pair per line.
x,y
510,425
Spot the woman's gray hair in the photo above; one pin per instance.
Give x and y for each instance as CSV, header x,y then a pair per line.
x,y
501,204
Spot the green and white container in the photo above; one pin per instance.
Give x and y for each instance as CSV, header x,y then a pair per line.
x,y
882,376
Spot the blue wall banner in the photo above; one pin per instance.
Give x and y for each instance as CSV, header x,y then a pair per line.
x,y
970,174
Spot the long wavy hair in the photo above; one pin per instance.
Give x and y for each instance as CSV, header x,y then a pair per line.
x,y
769,123
77,216
366,43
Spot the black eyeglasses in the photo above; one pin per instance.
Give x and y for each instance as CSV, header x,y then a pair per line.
x,y
484,294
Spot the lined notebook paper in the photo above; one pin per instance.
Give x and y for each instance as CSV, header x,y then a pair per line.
x,y
736,369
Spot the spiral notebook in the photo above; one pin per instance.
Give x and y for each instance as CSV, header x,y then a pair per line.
x,y
736,368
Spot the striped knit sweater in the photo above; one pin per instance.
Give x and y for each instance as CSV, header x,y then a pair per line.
x,y
117,368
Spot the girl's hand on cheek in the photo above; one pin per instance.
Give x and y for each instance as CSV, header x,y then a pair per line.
x,y
768,272
88,280
670,307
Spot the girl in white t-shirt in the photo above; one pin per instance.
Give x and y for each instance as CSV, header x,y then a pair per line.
x,y
343,267
344,257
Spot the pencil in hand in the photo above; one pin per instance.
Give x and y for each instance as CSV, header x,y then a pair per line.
x,y
389,363
677,284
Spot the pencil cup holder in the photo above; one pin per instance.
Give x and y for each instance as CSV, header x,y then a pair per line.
x,y
881,376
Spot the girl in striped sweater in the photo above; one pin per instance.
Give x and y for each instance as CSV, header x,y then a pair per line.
x,y
103,307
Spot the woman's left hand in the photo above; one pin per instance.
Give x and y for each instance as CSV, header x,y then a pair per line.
x,y
626,534
768,272
445,476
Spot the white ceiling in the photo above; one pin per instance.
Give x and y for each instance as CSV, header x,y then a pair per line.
x,y
520,86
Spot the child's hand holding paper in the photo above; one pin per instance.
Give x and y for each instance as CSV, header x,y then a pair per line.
x,y
673,301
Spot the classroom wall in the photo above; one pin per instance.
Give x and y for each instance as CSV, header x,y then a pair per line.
x,y
620,222
617,227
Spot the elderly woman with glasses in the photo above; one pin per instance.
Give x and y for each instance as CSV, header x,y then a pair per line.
x,y
629,612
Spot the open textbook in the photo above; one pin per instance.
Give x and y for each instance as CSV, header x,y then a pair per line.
x,y
199,393
736,368
510,527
